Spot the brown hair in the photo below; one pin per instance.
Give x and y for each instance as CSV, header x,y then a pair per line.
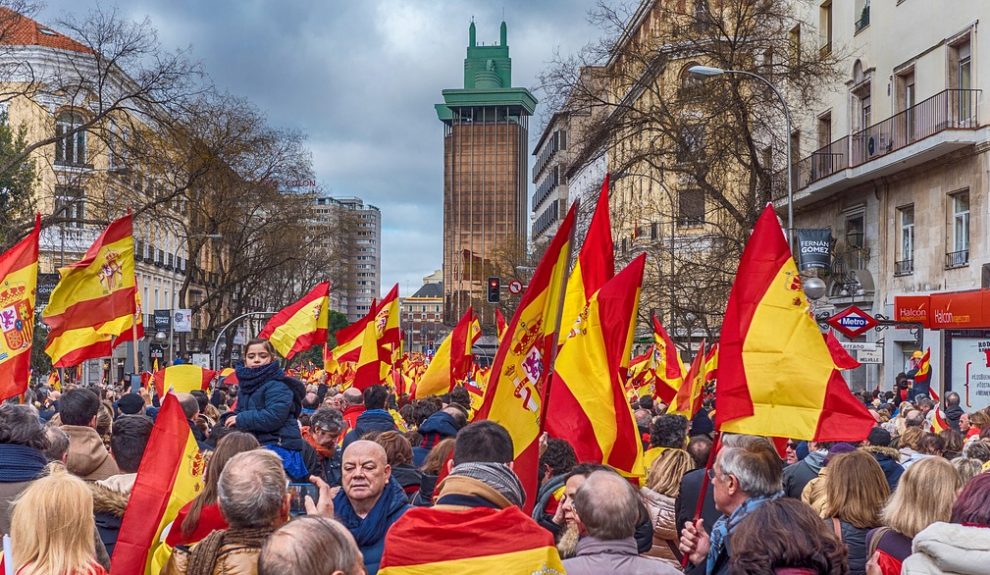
x,y
979,419
856,489
259,341
785,533
915,504
910,438
230,445
665,475
397,448
438,456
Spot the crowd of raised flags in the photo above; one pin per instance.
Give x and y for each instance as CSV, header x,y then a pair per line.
x,y
564,363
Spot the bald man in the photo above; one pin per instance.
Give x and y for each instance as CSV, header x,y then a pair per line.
x,y
371,501
353,406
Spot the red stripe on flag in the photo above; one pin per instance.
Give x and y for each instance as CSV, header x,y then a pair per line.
x,y
92,312
152,488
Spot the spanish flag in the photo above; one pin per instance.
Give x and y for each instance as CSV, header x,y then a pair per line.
x,y
478,541
514,397
170,475
18,280
387,321
777,377
350,338
711,363
669,368
182,378
939,424
687,402
452,362
371,370
94,300
924,373
302,325
500,324
595,264
587,402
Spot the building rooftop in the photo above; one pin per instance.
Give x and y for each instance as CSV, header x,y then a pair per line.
x,y
19,30
430,290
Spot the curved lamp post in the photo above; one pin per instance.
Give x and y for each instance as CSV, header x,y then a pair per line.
x,y
711,71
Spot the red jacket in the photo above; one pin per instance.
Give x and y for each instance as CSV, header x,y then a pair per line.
x,y
351,414
210,520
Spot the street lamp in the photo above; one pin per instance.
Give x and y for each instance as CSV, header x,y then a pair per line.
x,y
712,71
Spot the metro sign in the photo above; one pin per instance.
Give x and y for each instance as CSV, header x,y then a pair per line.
x,y
852,322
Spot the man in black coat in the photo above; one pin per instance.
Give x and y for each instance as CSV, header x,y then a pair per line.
x,y
687,502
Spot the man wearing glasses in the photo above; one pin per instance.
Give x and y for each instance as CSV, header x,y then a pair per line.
x,y
746,474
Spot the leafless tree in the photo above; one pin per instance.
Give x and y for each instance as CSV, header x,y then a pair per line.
x,y
693,161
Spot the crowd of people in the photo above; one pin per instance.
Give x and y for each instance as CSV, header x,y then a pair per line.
x,y
393,477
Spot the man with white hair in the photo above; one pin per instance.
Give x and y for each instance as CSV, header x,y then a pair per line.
x,y
253,497
746,474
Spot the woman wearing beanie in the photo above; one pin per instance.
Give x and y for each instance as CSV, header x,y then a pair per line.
x,y
268,406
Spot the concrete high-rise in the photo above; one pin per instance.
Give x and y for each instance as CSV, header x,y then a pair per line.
x,y
351,231
485,159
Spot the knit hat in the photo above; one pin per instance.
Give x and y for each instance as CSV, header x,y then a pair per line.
x,y
838,449
498,476
130,404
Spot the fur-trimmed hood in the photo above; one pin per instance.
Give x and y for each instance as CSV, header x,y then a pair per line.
x,y
881,450
106,500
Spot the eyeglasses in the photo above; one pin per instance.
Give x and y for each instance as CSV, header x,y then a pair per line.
x,y
791,445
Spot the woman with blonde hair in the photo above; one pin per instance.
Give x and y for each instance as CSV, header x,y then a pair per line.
x,y
914,505
663,485
51,528
856,491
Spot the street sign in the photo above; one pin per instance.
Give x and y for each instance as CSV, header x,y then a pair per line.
x,y
852,322
515,287
860,345
870,356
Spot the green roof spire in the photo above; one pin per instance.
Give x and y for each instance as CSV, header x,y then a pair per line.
x,y
487,78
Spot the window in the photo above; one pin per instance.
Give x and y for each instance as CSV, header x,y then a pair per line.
x,y
702,16
904,263
70,149
795,41
691,143
855,232
960,77
654,230
692,86
862,14
70,203
690,208
906,100
825,28
825,129
959,230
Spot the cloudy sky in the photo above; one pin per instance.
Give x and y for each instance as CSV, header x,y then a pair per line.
x,y
360,78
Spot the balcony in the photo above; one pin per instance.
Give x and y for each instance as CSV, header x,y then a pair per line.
x,y
956,259
934,127
903,268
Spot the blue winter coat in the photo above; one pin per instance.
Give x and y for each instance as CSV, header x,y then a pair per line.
x,y
437,427
370,420
267,406
369,532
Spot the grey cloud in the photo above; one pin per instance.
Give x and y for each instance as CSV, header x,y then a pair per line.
x,y
360,78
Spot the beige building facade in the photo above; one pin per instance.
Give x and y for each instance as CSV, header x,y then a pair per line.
x,y
894,162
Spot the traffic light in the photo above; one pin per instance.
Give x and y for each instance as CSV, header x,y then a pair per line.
x,y
494,289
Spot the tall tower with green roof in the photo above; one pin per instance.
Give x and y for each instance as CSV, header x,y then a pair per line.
x,y
485,165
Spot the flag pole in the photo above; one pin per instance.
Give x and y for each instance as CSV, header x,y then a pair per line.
x,y
552,356
716,445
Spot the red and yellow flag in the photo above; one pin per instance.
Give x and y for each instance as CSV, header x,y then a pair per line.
x,y
924,373
453,361
182,378
939,424
350,338
94,300
170,475
301,325
711,363
687,402
668,365
587,403
18,282
428,540
499,324
371,370
387,322
595,264
777,377
521,366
